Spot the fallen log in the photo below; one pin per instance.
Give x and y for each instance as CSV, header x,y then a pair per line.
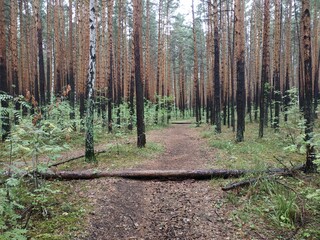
x,y
204,174
145,174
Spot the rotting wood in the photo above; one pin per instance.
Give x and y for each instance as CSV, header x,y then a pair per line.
x,y
158,174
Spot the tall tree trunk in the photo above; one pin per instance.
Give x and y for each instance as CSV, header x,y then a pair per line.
x,y
240,65
57,51
89,151
49,50
13,48
3,74
265,66
131,87
308,109
286,100
316,58
110,65
15,84
216,69
195,71
41,97
159,63
119,67
316,86
137,21
71,81
3,52
147,64
276,70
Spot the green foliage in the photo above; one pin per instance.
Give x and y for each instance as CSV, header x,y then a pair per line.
x,y
27,142
281,205
284,210
253,153
294,127
62,217
10,227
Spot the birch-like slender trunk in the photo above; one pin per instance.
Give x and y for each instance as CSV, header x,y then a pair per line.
x,y
89,146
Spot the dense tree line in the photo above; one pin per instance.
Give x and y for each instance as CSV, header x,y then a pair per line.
x,y
236,59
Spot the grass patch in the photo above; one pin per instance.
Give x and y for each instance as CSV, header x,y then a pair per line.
x,y
117,156
281,208
253,153
64,214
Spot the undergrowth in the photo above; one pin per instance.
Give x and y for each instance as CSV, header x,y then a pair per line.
x,y
277,207
31,208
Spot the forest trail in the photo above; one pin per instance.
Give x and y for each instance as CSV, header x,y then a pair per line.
x,y
129,209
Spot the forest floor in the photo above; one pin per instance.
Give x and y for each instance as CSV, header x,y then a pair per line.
x,y
133,209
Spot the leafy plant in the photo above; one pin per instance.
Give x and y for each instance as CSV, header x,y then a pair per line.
x,y
10,227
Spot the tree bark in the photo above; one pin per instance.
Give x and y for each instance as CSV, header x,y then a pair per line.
x,y
202,174
286,100
71,81
110,64
307,63
89,144
265,67
276,71
4,114
195,71
216,69
41,97
144,174
137,21
240,61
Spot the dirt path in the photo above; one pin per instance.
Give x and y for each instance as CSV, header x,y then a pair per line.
x,y
127,209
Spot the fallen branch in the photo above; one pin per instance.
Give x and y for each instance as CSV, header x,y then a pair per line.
x,y
250,181
72,159
178,122
155,174
26,173
270,174
242,183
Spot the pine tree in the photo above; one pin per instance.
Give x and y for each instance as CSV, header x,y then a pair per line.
x,y
110,64
265,67
195,71
4,114
276,70
41,96
308,109
216,69
137,21
240,65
